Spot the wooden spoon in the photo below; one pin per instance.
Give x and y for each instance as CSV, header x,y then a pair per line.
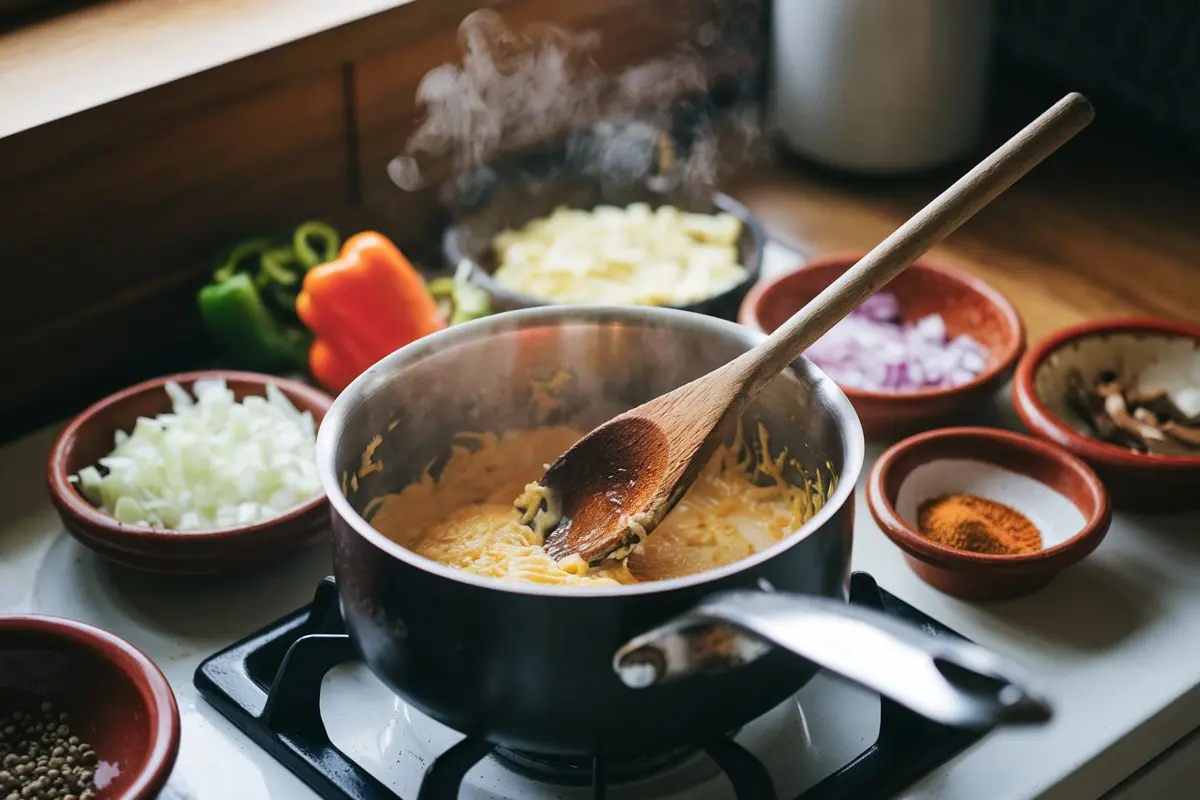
x,y
618,482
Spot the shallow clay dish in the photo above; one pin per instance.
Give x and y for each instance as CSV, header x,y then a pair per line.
x,y
90,436
118,700
967,304
1057,492
1136,481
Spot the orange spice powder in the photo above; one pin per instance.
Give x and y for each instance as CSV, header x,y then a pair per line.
x,y
978,525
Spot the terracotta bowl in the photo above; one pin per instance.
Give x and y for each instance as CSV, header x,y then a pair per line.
x,y
1136,481
90,436
116,698
967,304
1055,491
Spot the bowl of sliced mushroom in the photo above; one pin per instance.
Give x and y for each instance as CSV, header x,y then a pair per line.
x,y
1123,395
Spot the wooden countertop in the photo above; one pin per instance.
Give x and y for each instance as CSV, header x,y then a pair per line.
x,y
1108,226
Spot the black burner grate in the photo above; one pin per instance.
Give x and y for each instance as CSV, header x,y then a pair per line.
x,y
581,771
269,685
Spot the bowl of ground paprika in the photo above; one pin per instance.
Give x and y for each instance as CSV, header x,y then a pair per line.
x,y
986,514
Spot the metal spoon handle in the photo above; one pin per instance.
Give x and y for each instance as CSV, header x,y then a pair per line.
x,y
947,680
927,227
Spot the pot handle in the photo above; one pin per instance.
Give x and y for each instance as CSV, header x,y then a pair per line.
x,y
950,681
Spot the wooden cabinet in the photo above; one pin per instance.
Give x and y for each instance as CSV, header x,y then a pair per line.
x,y
107,235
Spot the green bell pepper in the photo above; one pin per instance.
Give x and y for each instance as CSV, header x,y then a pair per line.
x,y
243,327
250,307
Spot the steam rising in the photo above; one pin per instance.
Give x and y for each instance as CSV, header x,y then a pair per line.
x,y
508,88
515,91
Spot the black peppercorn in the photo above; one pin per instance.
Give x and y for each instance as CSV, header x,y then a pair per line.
x,y
36,761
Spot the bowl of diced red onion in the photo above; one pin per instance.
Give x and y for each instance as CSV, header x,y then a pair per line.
x,y
916,355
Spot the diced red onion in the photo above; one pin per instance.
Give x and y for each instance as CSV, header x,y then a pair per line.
x,y
882,307
872,349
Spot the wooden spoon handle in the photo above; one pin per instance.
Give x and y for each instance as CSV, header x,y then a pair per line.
x,y
911,240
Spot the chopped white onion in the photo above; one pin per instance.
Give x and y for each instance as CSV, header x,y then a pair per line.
x,y
873,350
210,463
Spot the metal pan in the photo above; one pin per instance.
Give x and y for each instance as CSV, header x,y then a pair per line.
x,y
618,671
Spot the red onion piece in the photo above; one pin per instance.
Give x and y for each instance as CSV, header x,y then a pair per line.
x,y
880,307
873,350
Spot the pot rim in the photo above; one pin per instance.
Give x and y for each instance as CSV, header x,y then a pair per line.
x,y
366,384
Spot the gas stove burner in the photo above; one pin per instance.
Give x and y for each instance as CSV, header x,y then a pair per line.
x,y
293,656
573,771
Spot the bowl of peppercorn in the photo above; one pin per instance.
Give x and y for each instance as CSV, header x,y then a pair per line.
x,y
83,714
986,514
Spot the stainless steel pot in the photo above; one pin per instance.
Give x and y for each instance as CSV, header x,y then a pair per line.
x,y
616,671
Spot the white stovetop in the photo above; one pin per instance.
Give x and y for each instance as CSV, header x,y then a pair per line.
x,y
1113,639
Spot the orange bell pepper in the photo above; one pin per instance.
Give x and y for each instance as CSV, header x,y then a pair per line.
x,y
361,306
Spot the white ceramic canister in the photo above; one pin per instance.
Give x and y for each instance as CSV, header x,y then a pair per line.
x,y
880,86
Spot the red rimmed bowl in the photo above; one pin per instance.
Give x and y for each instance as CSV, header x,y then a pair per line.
x,y
90,436
1055,491
967,304
1136,481
116,699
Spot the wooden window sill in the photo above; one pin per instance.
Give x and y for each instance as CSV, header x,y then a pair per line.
x,y
97,54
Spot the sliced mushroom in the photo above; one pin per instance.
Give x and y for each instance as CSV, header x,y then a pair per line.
x,y
1120,413
1186,434
1089,406
1159,401
1145,416
1146,436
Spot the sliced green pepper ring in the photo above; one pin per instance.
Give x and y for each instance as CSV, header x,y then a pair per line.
x,y
280,265
326,239
244,257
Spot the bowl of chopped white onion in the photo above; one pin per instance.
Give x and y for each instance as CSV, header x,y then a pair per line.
x,y
196,473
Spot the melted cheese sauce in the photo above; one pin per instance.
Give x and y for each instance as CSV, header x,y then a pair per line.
x,y
466,517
